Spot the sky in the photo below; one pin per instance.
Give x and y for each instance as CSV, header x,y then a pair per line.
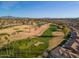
x,y
40,9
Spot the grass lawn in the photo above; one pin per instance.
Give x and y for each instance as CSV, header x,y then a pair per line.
x,y
26,48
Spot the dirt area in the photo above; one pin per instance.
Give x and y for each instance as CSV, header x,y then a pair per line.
x,y
58,34
55,41
23,32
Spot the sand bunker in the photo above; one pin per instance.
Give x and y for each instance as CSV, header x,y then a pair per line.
x,y
58,34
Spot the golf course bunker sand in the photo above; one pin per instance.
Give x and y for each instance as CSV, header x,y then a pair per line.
x,y
58,34
23,32
55,41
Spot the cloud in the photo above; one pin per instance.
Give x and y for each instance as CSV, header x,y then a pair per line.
x,y
8,4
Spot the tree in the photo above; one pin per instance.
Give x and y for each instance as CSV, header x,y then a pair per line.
x,y
66,30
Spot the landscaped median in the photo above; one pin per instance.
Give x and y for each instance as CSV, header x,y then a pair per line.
x,y
30,47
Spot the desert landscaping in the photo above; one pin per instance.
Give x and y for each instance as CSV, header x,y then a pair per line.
x,y
32,38
22,32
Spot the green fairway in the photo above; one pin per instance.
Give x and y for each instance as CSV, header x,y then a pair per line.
x,y
26,47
